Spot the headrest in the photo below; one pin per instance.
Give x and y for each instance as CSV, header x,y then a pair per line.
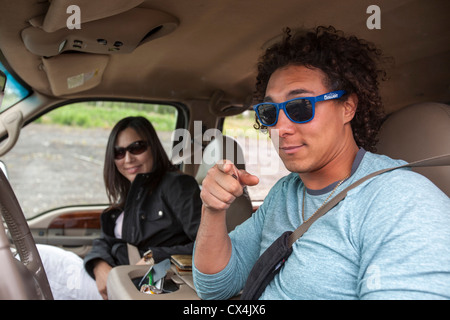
x,y
416,132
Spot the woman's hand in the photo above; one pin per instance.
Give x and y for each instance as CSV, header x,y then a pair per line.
x,y
101,271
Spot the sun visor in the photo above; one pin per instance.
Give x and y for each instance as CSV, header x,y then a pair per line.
x,y
121,33
74,72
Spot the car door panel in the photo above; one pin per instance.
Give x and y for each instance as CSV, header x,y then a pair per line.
x,y
72,228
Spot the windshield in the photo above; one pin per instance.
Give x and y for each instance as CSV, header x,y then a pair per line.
x,y
14,91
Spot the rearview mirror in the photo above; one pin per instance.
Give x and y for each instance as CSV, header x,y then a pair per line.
x,y
2,86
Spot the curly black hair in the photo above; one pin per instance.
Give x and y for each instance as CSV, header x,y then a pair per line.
x,y
349,63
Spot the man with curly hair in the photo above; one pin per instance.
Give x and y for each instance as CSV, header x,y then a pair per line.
x,y
317,91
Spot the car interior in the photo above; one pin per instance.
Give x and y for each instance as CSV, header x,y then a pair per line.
x,y
199,56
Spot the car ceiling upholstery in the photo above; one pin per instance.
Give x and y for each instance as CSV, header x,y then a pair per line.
x,y
210,47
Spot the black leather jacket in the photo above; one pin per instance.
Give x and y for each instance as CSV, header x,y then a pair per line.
x,y
165,221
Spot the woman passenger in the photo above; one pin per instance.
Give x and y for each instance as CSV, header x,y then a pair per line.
x,y
153,206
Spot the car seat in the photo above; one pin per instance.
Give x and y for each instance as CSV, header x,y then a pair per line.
x,y
225,147
417,132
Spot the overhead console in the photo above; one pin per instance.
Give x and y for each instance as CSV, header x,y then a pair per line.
x,y
110,28
106,27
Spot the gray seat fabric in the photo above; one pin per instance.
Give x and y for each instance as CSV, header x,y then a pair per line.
x,y
227,148
417,132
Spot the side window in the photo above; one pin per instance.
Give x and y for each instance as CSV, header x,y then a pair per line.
x,y
261,158
58,160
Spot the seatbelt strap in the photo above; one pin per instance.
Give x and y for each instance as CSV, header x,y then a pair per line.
x,y
443,160
133,254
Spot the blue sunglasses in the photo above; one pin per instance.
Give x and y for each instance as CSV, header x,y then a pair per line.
x,y
298,110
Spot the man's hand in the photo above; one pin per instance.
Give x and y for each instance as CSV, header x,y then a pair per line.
x,y
223,184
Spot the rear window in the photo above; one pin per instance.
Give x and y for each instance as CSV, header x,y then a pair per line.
x,y
58,160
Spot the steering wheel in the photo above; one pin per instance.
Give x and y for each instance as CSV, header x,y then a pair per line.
x,y
24,279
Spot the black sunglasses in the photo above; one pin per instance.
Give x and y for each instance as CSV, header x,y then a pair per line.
x,y
135,148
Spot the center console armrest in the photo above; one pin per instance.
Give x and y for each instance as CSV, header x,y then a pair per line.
x,y
121,287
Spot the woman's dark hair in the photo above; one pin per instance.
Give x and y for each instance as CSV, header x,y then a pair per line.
x,y
117,186
349,64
